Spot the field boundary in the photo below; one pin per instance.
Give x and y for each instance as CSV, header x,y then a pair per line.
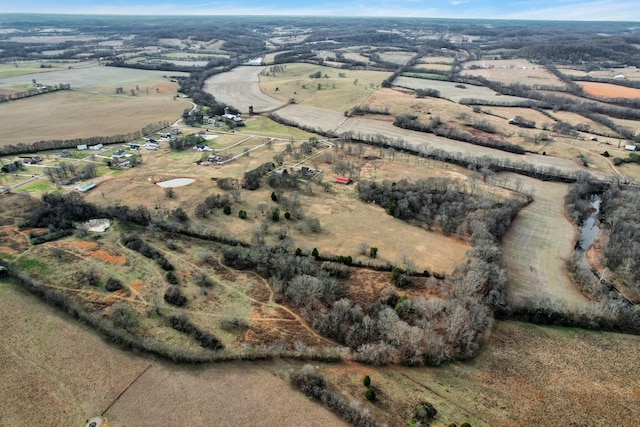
x,y
125,389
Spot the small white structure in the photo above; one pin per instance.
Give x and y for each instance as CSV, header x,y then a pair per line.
x,y
96,147
619,77
630,147
82,147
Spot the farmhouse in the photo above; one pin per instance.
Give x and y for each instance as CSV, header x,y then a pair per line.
x,y
343,180
65,154
33,160
118,154
96,147
151,145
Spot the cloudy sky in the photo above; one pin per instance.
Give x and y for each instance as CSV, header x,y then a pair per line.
x,y
589,10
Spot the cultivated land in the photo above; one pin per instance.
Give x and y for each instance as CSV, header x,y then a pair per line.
x,y
605,90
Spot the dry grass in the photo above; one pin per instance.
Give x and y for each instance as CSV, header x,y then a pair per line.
x,y
70,114
536,245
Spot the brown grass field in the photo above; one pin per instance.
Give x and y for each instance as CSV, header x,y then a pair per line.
x,y
509,71
536,245
57,370
72,114
606,90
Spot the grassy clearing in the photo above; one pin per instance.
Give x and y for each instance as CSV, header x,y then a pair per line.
x,y
332,92
536,245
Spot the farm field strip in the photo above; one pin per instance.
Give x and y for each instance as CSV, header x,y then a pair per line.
x,y
312,117
420,140
89,77
536,245
449,90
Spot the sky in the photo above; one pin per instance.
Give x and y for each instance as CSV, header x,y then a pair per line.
x,y
573,10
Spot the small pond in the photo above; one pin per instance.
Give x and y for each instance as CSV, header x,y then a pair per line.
x,y
589,230
176,182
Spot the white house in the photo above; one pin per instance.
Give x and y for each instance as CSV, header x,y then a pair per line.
x,y
630,147
82,147
96,147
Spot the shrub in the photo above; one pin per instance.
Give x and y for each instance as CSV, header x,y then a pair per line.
x,y
275,215
123,316
370,394
242,214
366,381
287,215
113,284
233,323
373,252
315,253
274,197
465,425
171,277
174,296
424,413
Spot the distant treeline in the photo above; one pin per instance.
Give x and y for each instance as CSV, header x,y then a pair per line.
x,y
33,92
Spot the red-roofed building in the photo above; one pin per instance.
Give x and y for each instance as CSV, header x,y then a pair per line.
x,y
343,180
